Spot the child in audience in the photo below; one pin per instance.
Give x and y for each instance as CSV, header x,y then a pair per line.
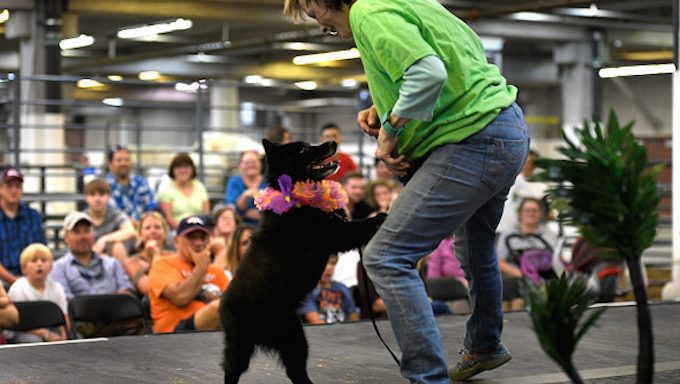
x,y
152,233
330,301
36,265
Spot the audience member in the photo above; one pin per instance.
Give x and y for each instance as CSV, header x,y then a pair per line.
x,y
9,315
530,214
239,242
130,193
19,225
241,188
356,208
36,264
331,132
185,195
522,188
330,301
443,262
152,234
278,134
185,289
83,271
226,220
380,195
114,232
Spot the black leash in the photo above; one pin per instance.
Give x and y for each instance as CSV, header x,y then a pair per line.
x,y
370,308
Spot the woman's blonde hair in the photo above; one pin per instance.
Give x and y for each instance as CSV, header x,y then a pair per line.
x,y
233,250
156,216
33,252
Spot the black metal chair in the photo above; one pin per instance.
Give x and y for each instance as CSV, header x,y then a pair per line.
x,y
107,310
39,314
446,289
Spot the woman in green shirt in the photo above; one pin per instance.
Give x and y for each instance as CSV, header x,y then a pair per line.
x,y
445,120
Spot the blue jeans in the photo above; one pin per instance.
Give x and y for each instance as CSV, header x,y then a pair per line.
x,y
461,187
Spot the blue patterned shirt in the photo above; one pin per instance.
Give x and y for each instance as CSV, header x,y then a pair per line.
x,y
16,234
133,199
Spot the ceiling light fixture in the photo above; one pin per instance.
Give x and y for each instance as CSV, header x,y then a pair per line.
x,y
636,70
349,83
327,56
149,75
115,77
4,16
76,42
154,29
88,83
306,85
113,101
184,87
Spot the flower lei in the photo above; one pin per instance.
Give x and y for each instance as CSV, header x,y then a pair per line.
x,y
326,195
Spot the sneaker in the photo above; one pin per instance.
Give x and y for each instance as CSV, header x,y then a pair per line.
x,y
469,365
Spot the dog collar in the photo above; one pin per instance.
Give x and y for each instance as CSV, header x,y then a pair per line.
x,y
326,195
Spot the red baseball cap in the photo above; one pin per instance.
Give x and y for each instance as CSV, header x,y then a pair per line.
x,y
12,173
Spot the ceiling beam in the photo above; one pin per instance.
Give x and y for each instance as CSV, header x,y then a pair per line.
x,y
231,12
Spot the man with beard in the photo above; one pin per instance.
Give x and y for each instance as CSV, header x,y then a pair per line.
x,y
129,193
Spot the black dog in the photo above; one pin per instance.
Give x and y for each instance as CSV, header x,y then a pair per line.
x,y
284,262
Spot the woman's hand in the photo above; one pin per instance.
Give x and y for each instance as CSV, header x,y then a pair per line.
x,y
368,121
386,147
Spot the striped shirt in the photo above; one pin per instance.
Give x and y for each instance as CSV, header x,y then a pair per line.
x,y
16,234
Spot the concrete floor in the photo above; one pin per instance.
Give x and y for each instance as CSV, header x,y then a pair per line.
x,y
346,353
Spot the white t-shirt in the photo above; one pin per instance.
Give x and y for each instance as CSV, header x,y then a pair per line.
x,y
346,268
21,290
520,190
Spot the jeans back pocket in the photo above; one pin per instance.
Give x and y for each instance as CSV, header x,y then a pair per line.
x,y
503,161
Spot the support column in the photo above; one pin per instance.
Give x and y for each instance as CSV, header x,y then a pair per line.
x,y
672,290
576,80
224,107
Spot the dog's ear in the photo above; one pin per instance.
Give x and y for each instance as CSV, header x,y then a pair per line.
x,y
269,146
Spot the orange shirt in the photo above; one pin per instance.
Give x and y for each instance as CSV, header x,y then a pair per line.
x,y
169,270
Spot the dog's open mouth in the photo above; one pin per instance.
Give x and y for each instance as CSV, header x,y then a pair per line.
x,y
325,166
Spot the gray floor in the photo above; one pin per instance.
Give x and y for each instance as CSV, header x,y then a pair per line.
x,y
345,353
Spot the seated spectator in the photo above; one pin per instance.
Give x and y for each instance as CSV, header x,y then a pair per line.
x,y
330,301
356,208
241,188
20,225
130,193
114,232
279,134
239,242
380,195
9,315
185,195
443,262
530,214
83,271
331,132
226,220
36,264
152,234
185,289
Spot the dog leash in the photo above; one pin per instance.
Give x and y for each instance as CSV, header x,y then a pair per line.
x,y
370,308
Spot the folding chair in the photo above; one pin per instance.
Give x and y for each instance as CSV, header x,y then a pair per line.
x,y
104,311
38,314
446,289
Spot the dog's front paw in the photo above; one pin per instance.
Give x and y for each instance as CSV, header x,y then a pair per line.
x,y
378,219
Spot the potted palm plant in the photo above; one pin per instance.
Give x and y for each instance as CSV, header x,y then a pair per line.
x,y
606,189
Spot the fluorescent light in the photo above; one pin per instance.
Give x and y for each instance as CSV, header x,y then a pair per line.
x,y
4,16
149,75
349,83
115,77
154,29
328,56
113,101
184,87
88,83
592,10
252,79
636,70
306,85
76,42
530,16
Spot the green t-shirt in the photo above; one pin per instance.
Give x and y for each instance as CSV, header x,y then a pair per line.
x,y
391,35
181,205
